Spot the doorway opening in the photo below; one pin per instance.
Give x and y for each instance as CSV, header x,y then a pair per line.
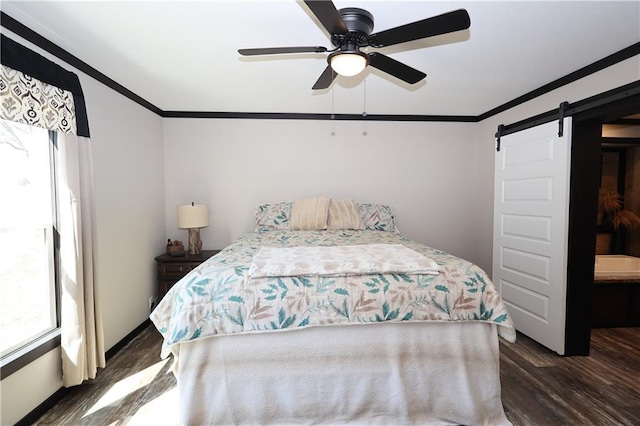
x,y
587,169
616,291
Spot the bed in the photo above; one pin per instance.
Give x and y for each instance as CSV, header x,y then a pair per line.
x,y
296,325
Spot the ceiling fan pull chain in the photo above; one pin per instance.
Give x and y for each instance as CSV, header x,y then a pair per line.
x,y
364,101
364,107
333,116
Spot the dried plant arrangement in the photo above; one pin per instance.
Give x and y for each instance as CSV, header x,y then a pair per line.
x,y
615,215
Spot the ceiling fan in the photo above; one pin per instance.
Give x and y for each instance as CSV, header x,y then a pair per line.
x,y
350,29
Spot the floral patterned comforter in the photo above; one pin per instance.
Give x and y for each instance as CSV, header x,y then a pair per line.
x,y
219,297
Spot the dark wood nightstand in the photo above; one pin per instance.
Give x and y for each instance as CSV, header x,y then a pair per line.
x,y
172,268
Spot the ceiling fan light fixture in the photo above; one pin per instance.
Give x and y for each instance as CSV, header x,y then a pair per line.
x,y
348,63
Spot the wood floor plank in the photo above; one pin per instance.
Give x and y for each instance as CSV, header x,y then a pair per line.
x,y
538,386
601,389
132,378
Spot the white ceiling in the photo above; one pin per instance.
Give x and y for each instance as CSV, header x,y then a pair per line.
x,y
182,55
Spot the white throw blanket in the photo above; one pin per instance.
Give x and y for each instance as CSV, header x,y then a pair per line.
x,y
340,261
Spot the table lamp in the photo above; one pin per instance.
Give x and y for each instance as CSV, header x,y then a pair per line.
x,y
193,217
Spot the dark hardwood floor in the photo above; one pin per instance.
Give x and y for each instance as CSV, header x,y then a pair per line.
x,y
542,388
538,386
135,388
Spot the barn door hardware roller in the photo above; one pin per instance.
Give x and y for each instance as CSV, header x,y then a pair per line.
x,y
498,135
561,112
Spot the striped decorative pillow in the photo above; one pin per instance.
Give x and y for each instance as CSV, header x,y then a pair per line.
x,y
310,213
343,214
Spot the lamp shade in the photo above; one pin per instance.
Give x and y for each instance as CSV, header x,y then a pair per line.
x,y
348,63
193,216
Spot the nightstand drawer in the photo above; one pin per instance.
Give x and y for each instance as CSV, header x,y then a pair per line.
x,y
171,269
178,269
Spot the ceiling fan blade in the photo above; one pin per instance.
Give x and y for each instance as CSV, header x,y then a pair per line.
x,y
436,25
395,68
278,50
326,78
328,16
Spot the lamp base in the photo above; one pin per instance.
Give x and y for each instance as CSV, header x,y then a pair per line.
x,y
195,243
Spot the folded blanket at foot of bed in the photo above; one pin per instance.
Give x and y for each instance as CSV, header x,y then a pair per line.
x,y
330,261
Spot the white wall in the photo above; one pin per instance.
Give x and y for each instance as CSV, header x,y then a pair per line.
x,y
129,189
425,171
24,390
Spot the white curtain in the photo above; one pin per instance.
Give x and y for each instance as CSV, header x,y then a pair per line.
x,y
26,99
81,317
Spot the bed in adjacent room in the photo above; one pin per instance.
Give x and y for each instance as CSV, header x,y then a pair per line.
x,y
327,315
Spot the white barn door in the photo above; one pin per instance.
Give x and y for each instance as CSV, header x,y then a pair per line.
x,y
531,209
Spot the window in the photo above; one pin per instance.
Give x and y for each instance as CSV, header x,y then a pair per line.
x,y
28,301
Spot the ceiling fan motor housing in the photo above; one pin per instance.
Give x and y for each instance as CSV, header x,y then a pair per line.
x,y
359,23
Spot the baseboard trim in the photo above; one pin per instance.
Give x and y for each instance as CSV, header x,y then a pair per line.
x,y
57,396
126,339
39,411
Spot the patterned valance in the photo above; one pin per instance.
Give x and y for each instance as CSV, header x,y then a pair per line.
x,y
39,92
30,101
